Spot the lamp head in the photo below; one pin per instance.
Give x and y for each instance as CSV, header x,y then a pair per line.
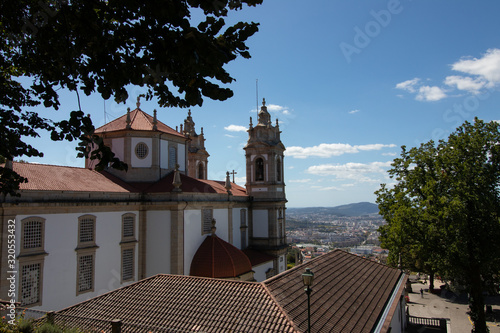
x,y
308,278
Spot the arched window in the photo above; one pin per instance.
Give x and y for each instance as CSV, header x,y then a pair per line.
x,y
259,169
278,169
201,171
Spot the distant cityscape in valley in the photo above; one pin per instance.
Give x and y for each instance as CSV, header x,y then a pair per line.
x,y
352,227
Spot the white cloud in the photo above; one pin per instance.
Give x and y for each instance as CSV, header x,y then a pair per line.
x,y
487,67
326,150
430,94
235,128
408,85
389,154
275,108
299,180
229,135
353,111
355,171
465,83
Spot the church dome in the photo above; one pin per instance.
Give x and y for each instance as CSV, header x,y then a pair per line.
x,y
217,258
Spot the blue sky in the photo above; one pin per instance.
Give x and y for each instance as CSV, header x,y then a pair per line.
x,y
350,82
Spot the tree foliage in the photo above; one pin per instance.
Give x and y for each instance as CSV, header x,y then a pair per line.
x,y
443,213
104,46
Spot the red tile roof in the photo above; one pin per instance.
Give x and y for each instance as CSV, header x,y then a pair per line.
x,y
217,258
174,303
43,177
139,121
257,257
190,185
349,292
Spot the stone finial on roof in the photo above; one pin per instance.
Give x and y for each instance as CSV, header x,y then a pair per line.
x,y
155,121
214,228
138,104
128,121
177,180
227,185
251,125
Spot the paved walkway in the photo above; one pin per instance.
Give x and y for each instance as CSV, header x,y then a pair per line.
x,y
450,306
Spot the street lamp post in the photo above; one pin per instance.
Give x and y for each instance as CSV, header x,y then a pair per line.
x,y
307,279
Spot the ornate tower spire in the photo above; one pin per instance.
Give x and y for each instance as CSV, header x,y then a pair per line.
x,y
264,116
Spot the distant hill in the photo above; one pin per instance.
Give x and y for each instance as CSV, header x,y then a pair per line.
x,y
354,209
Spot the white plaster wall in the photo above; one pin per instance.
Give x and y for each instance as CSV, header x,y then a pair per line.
x,y
236,228
260,223
281,264
158,243
260,271
118,146
164,154
181,156
192,232
60,265
147,161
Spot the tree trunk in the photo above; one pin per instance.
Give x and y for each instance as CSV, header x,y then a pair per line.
x,y
476,304
431,281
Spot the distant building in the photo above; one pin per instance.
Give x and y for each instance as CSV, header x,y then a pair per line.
x,y
80,233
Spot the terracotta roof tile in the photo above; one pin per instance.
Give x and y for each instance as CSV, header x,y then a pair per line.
x,y
174,303
190,185
349,292
139,121
217,258
349,295
43,177
257,257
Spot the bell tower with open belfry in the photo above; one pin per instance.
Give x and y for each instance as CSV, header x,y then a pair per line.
x,y
264,154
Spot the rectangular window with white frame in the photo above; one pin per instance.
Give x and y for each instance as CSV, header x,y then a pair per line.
x,y
85,254
30,286
128,245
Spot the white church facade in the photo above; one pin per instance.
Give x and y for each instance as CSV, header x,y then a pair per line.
x,y
80,233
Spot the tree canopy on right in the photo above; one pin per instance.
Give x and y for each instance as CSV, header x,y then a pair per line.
x,y
443,213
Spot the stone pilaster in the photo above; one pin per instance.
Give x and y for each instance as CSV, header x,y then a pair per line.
x,y
177,241
143,227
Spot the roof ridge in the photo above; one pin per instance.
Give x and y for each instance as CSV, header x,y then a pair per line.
x,y
278,305
53,165
143,114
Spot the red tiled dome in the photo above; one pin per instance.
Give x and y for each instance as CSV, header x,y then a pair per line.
x,y
217,258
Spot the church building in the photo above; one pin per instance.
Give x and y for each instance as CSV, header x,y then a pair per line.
x,y
80,233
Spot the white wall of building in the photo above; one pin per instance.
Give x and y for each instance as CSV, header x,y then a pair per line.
x,y
158,243
164,154
193,233
260,223
60,265
145,162
281,264
260,271
181,157
118,147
